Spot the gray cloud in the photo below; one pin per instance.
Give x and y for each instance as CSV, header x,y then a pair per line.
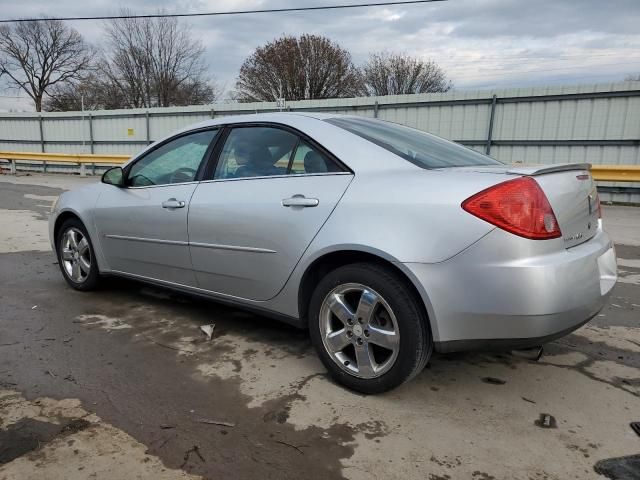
x,y
481,44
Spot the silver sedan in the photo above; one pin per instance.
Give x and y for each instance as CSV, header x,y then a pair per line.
x,y
386,242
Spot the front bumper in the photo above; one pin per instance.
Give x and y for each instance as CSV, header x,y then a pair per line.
x,y
508,292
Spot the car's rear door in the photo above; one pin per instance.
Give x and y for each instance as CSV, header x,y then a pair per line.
x,y
270,194
143,226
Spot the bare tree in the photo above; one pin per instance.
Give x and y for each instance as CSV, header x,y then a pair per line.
x,y
308,67
36,55
397,74
91,93
156,62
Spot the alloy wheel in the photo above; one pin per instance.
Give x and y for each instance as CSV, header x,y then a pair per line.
x,y
75,255
359,330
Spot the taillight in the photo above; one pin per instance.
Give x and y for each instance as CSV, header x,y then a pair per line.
x,y
518,206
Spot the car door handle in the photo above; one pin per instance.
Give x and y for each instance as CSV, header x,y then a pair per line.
x,y
173,203
300,201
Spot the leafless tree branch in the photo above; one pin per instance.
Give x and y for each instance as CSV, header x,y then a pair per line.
x,y
398,74
35,56
308,67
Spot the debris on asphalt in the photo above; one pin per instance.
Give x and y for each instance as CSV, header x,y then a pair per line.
x,y
635,426
546,421
215,422
494,381
528,400
67,340
208,330
195,449
166,426
297,447
34,307
49,372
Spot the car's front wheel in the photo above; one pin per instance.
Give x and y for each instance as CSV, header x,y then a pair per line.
x,y
369,328
76,256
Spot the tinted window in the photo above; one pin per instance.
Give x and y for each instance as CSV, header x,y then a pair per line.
x,y
176,161
418,147
256,152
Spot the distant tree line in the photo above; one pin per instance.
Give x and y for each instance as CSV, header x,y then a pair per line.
x,y
157,62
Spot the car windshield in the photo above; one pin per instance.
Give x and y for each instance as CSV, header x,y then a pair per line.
x,y
418,147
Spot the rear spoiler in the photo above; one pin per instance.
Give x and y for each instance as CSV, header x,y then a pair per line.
x,y
532,170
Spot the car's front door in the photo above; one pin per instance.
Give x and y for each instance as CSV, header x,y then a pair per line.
x,y
143,227
270,194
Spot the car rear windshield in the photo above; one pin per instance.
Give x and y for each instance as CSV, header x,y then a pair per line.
x,y
418,147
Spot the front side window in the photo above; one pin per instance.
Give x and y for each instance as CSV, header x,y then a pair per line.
x,y
418,147
177,161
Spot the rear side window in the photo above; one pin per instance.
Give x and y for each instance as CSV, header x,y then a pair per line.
x,y
269,151
309,160
418,147
256,152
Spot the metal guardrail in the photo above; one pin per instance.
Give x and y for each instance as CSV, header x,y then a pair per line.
x,y
81,159
603,173
616,173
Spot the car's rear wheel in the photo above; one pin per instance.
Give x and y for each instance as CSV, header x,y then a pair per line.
x,y
369,328
76,256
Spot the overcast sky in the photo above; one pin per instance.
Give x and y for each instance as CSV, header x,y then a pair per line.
x,y
479,43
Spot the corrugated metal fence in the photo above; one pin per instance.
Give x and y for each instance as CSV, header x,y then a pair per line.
x,y
599,124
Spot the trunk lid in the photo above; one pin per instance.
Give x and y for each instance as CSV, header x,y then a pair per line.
x,y
570,190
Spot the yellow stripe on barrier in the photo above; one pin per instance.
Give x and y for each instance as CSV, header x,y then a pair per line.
x,y
616,173
65,157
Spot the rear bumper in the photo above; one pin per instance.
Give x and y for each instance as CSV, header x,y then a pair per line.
x,y
499,293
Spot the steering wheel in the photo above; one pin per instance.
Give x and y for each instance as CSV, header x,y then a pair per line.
x,y
183,174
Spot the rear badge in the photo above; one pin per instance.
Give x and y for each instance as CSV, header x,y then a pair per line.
x,y
577,236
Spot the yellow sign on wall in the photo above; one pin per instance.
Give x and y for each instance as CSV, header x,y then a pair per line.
x,y
130,132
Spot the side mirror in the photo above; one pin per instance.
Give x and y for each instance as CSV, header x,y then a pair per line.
x,y
114,176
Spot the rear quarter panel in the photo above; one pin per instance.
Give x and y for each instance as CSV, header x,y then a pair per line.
x,y
411,216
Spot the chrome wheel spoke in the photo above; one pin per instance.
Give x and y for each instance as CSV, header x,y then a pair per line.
x,y
383,338
85,266
67,255
337,341
75,271
339,308
365,360
83,245
366,306
73,239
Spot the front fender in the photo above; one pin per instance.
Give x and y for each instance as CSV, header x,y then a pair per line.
x,y
80,203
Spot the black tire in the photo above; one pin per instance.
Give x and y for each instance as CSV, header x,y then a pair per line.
x,y
415,341
92,279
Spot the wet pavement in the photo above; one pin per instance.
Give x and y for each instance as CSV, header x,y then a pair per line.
x,y
121,383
